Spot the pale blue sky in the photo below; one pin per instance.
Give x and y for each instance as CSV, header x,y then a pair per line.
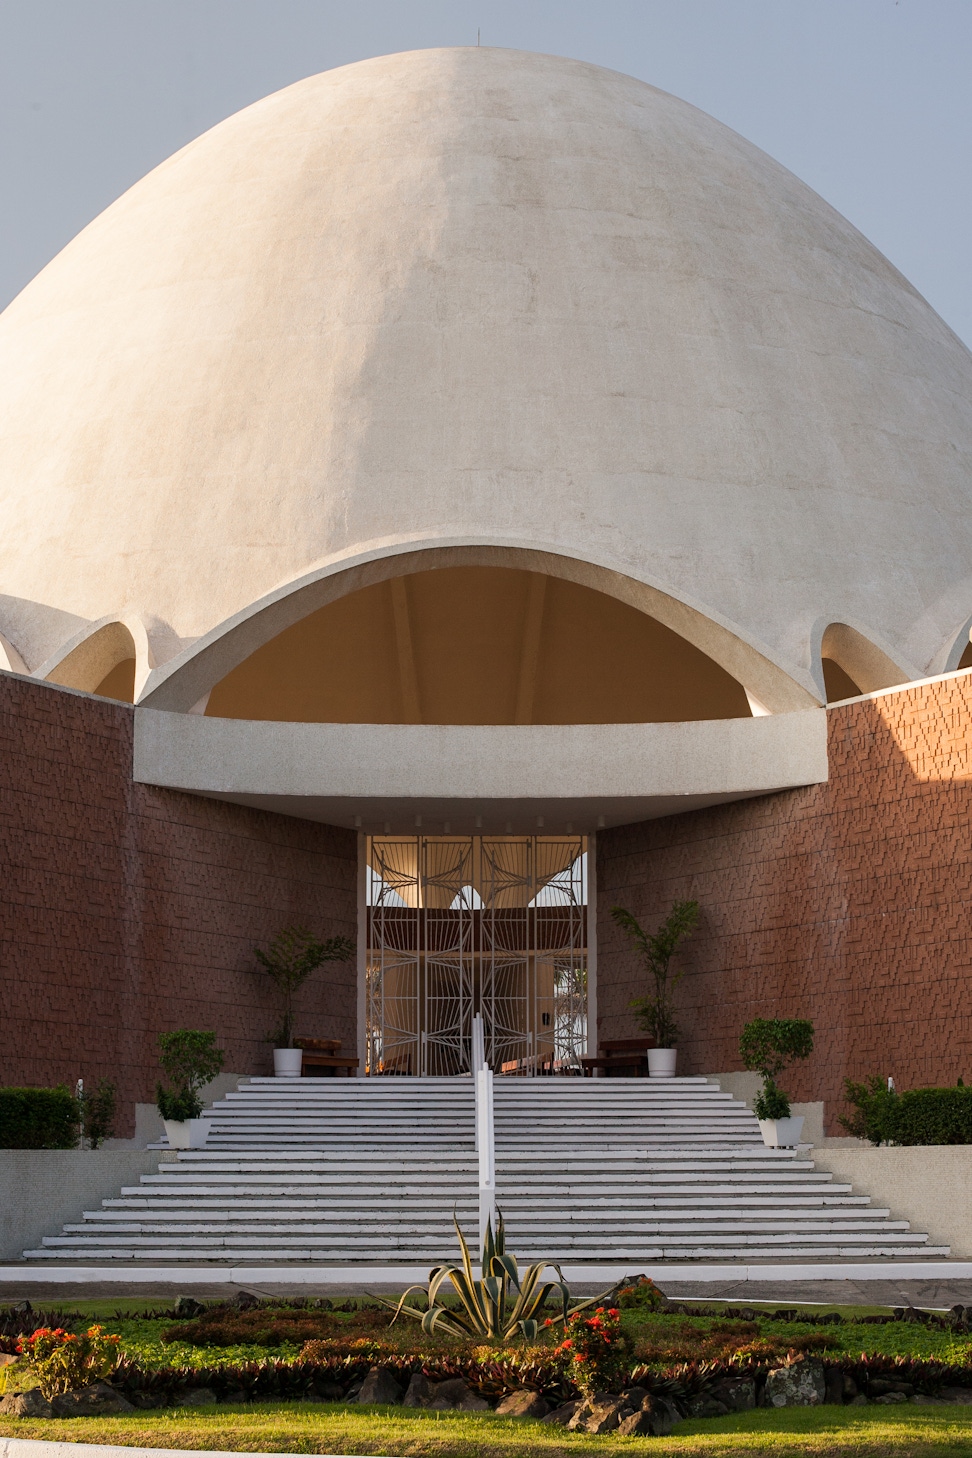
x,y
869,101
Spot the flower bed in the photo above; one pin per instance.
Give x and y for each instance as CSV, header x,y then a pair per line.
x,y
679,1355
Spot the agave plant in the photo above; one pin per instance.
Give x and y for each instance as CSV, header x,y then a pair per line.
x,y
500,1304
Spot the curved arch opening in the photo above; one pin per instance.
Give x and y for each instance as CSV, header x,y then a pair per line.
x,y
478,645
103,663
853,665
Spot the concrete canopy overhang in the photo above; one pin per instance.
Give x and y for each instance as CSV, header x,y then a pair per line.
x,y
490,777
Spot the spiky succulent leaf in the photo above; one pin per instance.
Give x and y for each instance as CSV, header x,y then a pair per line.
x,y
399,1307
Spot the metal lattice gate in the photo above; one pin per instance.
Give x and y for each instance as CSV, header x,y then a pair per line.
x,y
465,924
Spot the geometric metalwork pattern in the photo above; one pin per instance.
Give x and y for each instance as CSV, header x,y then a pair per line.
x,y
459,925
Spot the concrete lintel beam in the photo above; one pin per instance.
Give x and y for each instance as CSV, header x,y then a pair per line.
x,y
386,772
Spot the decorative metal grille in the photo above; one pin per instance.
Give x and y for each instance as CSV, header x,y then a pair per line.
x,y
466,924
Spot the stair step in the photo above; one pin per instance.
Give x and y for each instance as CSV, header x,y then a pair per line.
x,y
366,1172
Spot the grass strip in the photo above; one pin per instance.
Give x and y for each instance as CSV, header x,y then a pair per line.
x,y
830,1432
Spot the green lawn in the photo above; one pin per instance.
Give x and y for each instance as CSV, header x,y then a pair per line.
x,y
313,1428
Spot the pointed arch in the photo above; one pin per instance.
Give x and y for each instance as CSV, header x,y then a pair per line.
x,y
182,682
851,663
109,658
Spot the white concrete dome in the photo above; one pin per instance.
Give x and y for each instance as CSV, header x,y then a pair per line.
x,y
462,302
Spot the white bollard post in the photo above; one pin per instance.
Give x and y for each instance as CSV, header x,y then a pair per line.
x,y
485,1144
478,1044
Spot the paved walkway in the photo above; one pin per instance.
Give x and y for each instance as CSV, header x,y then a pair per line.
x,y
36,1448
931,1293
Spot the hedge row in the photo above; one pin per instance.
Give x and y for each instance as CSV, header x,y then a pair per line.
x,y
38,1118
918,1116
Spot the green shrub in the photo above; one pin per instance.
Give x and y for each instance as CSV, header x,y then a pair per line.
x,y
874,1110
97,1113
934,1116
918,1116
767,1046
38,1118
191,1059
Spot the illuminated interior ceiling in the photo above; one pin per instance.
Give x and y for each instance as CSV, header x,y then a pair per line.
x,y
838,682
478,645
119,683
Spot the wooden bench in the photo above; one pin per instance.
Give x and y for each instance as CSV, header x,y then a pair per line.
x,y
325,1054
540,1064
620,1058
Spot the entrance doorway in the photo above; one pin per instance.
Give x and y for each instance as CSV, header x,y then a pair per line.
x,y
466,924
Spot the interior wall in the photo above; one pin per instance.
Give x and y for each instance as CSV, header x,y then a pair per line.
x,y
478,645
127,910
849,903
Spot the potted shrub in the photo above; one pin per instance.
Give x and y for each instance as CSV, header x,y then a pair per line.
x,y
191,1059
767,1046
289,960
656,1012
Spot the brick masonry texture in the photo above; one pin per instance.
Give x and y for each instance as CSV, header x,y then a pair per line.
x,y
848,903
126,910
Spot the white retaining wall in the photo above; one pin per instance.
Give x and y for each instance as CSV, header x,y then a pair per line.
x,y
928,1184
42,1189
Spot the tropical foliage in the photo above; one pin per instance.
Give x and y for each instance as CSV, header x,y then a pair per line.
x,y
288,961
499,1305
656,1012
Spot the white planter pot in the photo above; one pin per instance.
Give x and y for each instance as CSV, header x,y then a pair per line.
x,y
287,1062
782,1133
661,1062
186,1133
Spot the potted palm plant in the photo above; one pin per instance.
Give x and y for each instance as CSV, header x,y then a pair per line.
x,y
191,1059
767,1046
288,961
656,1011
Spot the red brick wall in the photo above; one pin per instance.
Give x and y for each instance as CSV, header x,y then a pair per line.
x,y
848,903
126,910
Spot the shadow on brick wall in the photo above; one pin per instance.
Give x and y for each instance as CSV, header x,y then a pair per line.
x,y
848,903
126,910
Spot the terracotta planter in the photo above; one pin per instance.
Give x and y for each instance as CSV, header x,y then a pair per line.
x,y
782,1133
287,1062
661,1062
186,1133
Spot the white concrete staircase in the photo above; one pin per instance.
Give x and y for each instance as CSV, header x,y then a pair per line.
x,y
368,1172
